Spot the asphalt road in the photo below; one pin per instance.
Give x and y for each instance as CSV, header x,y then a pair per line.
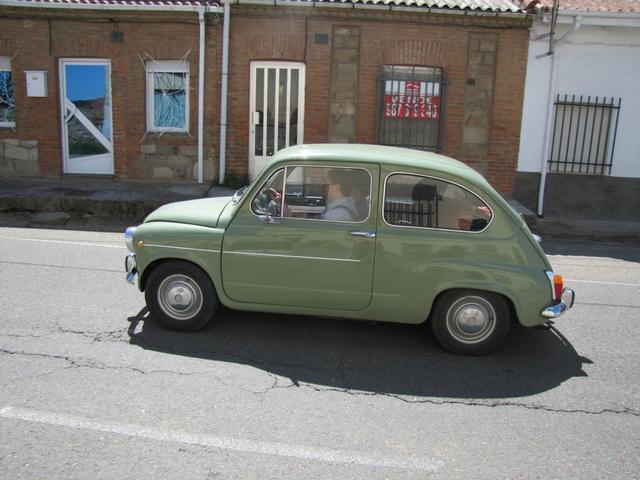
x,y
91,388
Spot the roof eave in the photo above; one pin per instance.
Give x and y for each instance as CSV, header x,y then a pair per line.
x,y
111,7
382,7
595,13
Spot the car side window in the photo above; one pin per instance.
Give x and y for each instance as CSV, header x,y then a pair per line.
x,y
268,200
327,193
417,201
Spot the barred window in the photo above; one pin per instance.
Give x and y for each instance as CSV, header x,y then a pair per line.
x,y
410,110
584,134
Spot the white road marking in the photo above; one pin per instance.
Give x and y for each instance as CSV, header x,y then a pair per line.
x,y
223,443
65,242
595,282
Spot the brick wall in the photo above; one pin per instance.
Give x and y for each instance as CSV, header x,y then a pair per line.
x,y
38,39
385,39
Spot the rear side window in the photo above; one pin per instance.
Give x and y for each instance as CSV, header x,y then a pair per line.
x,y
416,201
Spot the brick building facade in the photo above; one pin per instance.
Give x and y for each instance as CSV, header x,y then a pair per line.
x,y
340,53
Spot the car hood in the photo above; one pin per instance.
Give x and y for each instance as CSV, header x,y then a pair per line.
x,y
203,211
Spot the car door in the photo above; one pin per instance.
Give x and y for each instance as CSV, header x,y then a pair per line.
x,y
293,244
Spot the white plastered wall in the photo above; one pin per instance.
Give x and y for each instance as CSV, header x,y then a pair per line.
x,y
601,58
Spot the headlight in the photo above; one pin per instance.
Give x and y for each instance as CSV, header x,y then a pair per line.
x,y
128,237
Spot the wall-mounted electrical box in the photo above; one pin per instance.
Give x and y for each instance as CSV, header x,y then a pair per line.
x,y
36,83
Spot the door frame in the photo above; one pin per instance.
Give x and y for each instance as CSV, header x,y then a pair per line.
x,y
293,248
253,66
103,62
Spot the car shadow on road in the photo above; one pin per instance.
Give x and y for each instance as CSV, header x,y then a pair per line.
x,y
371,357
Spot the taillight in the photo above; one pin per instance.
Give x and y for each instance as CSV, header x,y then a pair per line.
x,y
557,284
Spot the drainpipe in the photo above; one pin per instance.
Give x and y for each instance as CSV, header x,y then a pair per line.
x,y
223,90
548,125
201,97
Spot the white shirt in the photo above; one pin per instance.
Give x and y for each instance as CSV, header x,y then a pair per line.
x,y
341,209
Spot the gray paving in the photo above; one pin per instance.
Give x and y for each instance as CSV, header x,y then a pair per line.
x,y
89,202
108,204
92,388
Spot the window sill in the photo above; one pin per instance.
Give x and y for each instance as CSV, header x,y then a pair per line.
x,y
169,131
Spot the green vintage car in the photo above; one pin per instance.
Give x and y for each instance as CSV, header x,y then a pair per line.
x,y
351,231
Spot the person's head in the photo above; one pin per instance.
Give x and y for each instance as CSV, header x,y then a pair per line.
x,y
340,183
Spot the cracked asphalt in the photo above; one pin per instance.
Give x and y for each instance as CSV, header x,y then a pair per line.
x,y
92,388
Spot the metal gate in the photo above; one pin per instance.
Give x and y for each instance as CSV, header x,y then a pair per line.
x,y
411,105
584,134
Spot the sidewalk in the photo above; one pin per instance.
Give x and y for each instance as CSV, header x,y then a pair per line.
x,y
110,205
89,203
578,228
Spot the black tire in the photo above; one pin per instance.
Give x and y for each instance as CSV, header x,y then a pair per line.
x,y
181,296
470,322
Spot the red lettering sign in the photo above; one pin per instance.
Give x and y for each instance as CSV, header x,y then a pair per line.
x,y
412,99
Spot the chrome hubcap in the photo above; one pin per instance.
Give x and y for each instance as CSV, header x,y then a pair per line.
x,y
471,319
180,297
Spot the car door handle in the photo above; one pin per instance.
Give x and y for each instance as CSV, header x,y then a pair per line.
x,y
269,219
357,233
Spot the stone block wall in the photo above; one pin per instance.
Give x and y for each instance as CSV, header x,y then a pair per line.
x,y
18,157
478,99
176,163
343,96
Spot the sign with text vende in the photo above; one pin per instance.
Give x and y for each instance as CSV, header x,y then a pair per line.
x,y
412,99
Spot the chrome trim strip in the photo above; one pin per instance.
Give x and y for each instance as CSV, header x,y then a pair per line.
x,y
384,196
259,254
181,248
549,275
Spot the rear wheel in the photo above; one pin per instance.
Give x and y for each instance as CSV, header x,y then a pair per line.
x,y
470,322
181,296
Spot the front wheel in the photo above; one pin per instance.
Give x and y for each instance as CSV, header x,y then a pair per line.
x,y
181,296
470,322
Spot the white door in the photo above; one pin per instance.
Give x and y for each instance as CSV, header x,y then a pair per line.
x,y
276,110
87,130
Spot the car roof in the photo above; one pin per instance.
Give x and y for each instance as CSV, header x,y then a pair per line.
x,y
393,156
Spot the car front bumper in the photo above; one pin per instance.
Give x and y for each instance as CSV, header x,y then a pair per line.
x,y
131,267
566,302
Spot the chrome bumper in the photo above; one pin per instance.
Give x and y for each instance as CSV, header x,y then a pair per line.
x,y
131,267
566,302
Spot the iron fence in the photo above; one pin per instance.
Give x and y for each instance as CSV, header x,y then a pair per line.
x,y
584,134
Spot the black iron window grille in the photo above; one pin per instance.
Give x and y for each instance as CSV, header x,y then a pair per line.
x,y
410,111
584,134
